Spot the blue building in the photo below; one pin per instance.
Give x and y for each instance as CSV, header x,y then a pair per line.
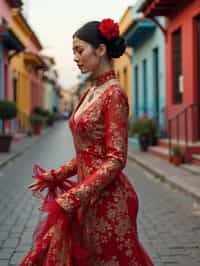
x,y
148,69
84,80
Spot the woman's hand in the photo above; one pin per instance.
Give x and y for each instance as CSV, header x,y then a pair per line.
x,y
40,185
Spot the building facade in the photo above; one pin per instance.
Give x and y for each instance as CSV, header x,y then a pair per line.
x,y
9,43
27,68
123,65
148,68
49,82
182,40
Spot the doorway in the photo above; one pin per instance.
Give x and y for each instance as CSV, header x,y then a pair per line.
x,y
156,84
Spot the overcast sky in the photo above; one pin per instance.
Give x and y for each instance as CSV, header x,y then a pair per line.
x,y
54,22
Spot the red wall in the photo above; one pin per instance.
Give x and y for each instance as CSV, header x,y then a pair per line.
x,y
36,89
183,19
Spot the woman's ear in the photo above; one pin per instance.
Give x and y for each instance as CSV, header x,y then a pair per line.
x,y
101,50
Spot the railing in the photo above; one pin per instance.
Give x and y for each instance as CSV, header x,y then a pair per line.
x,y
183,114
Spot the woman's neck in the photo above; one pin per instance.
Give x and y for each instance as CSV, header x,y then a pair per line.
x,y
103,68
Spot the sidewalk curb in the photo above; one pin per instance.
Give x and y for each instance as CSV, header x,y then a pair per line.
x,y
12,157
173,181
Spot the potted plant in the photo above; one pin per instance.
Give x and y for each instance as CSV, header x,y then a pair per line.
x,y
43,113
153,133
50,119
37,121
8,111
142,128
177,155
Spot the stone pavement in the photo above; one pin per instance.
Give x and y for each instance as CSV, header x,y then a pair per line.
x,y
167,172
168,219
19,147
162,169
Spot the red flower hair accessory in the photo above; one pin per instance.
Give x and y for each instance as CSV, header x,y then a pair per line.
x,y
109,29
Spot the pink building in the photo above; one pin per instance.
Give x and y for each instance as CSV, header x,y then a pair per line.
x,y
8,43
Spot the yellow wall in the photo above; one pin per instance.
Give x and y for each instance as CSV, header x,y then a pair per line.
x,y
126,20
23,89
123,65
124,70
18,66
20,29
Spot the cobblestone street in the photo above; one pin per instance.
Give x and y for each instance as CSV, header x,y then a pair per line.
x,y
169,221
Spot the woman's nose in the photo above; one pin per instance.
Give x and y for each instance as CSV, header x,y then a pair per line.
x,y
76,59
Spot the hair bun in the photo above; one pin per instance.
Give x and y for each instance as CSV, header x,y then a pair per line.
x,y
116,47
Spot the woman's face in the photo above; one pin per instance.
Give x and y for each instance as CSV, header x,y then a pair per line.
x,y
85,56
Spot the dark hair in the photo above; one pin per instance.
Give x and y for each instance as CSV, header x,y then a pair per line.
x,y
90,33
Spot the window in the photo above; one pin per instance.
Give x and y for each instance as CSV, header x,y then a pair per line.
x,y
177,66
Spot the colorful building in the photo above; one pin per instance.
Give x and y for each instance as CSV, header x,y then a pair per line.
x,y
27,70
66,103
84,82
9,43
148,68
182,38
123,65
50,77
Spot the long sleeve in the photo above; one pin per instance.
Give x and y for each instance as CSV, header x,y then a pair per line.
x,y
116,138
67,170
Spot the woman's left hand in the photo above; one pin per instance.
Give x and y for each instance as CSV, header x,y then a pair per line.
x,y
40,184
37,186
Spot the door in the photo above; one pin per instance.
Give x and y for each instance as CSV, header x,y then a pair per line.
x,y
145,99
156,83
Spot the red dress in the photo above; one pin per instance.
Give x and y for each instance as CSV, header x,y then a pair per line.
x,y
104,197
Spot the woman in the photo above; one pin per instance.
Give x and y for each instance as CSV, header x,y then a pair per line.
x,y
101,210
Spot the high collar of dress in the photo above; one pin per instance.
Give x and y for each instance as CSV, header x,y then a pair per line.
x,y
99,80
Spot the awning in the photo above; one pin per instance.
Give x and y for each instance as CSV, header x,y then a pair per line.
x,y
35,59
153,8
10,40
140,31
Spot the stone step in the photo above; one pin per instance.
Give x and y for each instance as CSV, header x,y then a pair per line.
x,y
159,151
165,143
196,156
193,169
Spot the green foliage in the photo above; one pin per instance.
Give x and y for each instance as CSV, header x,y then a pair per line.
x,y
176,151
40,111
8,110
50,119
36,120
144,127
130,126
